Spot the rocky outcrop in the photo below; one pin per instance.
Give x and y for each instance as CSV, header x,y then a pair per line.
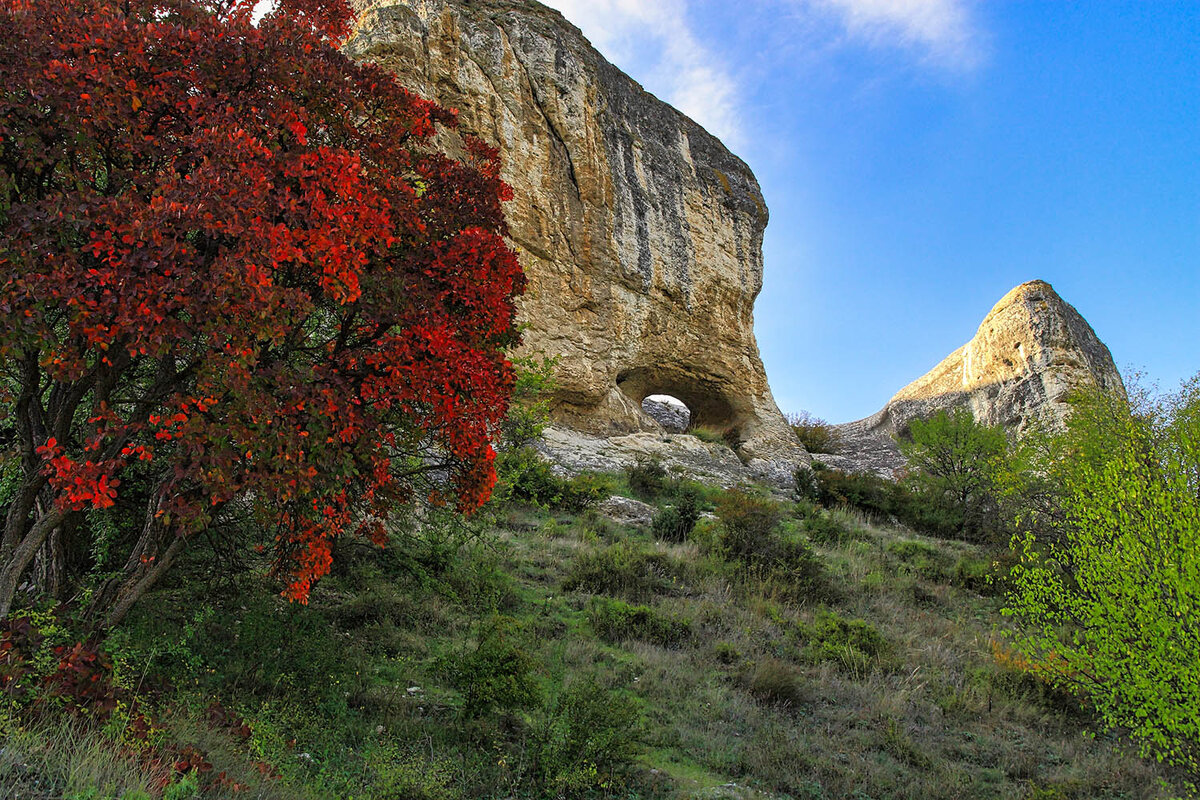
x,y
640,233
1031,351
681,454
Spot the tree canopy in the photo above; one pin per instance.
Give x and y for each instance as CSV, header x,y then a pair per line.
x,y
239,279
1108,587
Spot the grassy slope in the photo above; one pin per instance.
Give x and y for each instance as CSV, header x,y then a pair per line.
x,y
746,687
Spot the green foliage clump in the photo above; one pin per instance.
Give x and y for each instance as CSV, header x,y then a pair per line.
x,y
523,476
825,528
774,682
751,533
647,478
853,644
675,522
750,528
954,466
616,621
871,494
709,434
411,775
1108,586
622,569
584,739
817,435
807,487
498,672
919,558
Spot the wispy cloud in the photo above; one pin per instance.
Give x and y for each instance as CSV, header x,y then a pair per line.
x,y
654,42
943,31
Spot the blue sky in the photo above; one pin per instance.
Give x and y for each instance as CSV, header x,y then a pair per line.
x,y
922,157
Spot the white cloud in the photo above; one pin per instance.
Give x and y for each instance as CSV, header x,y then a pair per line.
x,y
942,29
653,42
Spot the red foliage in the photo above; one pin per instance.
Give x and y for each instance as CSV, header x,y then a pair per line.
x,y
234,266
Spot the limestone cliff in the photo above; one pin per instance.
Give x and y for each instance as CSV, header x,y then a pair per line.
x,y
1031,351
640,233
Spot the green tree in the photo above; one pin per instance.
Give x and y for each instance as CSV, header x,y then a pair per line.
x,y
1107,589
955,462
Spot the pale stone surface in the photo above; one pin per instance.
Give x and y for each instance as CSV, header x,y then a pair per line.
x,y
1031,351
640,233
681,454
627,511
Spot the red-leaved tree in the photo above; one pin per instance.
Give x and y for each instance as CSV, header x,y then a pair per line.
x,y
238,277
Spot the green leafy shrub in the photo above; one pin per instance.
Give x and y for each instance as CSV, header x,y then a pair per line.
x,y
854,645
410,775
497,673
807,487
621,569
871,494
523,476
752,534
817,435
954,465
1107,596
647,478
584,739
824,528
675,522
924,560
616,621
749,528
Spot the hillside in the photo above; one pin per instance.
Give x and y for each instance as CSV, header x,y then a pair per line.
x,y
545,652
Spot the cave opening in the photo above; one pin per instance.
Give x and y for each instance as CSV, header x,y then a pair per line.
x,y
704,400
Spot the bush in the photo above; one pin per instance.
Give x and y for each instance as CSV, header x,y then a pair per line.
x,y
954,466
817,435
523,476
807,488
615,621
922,559
854,645
774,682
497,673
824,528
749,528
620,570
583,740
675,522
647,478
871,494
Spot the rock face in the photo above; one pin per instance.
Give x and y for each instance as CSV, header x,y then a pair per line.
x,y
640,234
682,455
1031,351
